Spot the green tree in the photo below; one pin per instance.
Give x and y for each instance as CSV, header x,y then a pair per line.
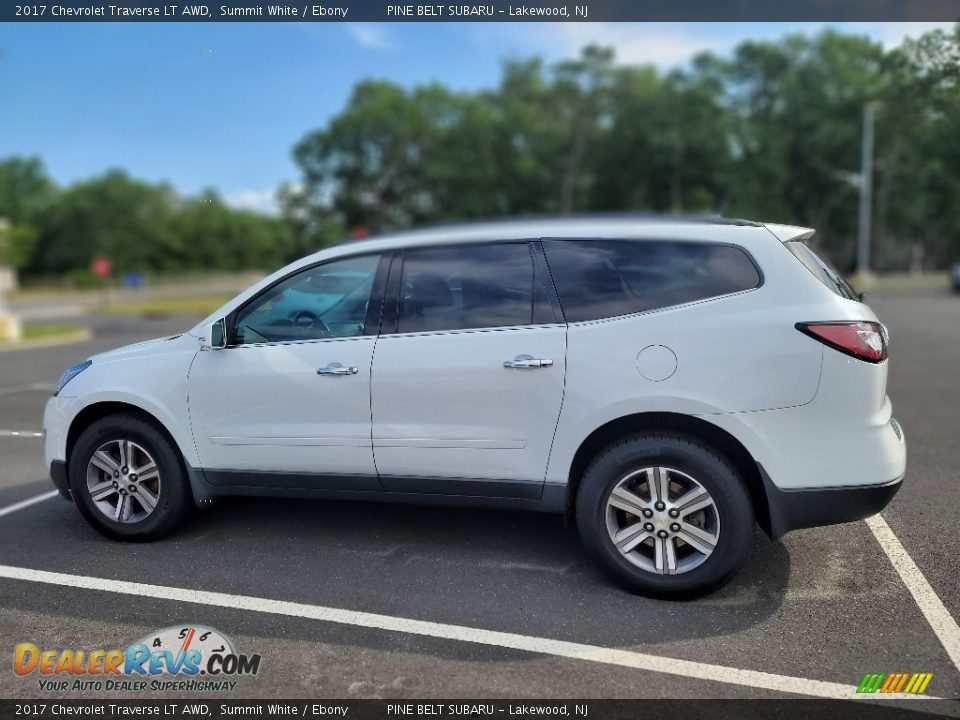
x,y
363,170
798,105
16,243
207,234
667,145
918,119
26,192
125,220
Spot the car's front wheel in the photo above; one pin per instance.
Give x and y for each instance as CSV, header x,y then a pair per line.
x,y
127,479
665,514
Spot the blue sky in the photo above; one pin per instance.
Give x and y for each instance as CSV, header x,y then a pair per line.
x,y
221,104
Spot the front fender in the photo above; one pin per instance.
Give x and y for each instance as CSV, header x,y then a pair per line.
x,y
156,385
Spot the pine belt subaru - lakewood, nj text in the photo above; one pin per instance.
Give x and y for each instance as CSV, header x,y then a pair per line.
x,y
667,382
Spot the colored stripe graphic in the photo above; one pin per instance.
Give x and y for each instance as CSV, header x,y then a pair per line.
x,y
923,679
912,683
871,682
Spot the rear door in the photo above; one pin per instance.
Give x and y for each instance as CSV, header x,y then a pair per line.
x,y
468,373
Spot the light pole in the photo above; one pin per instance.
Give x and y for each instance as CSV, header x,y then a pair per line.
x,y
866,190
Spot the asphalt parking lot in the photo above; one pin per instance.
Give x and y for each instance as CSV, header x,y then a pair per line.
x,y
824,605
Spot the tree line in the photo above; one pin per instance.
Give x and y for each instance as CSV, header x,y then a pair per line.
x,y
771,131
139,226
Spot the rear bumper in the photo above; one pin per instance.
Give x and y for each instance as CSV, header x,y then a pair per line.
x,y
58,474
814,507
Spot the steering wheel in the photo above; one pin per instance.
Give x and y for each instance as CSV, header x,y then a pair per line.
x,y
306,320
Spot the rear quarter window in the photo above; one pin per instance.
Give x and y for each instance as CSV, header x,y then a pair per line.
x,y
821,269
606,278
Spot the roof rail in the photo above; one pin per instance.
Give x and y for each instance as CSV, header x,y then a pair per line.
x,y
653,217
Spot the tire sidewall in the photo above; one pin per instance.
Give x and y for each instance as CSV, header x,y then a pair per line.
x,y
709,469
172,500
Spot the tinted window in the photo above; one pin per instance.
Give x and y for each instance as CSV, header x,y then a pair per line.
x,y
325,301
606,278
821,269
468,286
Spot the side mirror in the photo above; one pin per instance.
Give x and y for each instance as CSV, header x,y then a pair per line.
x,y
215,336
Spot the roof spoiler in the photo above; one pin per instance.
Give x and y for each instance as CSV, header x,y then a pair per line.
x,y
786,233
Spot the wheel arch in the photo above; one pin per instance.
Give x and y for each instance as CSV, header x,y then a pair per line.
x,y
725,443
99,410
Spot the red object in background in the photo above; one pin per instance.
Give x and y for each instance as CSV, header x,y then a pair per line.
x,y
101,267
359,233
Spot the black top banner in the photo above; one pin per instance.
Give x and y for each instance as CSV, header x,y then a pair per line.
x,y
486,11
420,709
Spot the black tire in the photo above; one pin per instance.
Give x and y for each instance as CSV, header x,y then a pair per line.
x,y
688,455
174,497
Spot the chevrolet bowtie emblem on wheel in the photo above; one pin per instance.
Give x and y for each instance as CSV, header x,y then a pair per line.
x,y
912,683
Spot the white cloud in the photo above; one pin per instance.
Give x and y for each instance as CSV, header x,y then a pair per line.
x,y
892,34
669,44
641,43
370,36
646,43
264,201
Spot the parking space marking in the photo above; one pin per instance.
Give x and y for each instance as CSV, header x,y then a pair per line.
x,y
932,607
28,502
21,433
540,646
14,389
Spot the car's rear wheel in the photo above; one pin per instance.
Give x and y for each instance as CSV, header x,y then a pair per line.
x,y
665,514
127,479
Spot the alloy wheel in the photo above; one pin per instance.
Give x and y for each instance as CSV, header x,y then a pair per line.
x,y
123,481
662,520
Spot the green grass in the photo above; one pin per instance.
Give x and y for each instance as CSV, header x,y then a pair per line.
x,y
164,307
46,332
899,282
930,281
41,333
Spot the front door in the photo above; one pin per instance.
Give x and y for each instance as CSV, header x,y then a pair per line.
x,y
287,403
467,385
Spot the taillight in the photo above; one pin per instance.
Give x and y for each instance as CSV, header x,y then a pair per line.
x,y
863,340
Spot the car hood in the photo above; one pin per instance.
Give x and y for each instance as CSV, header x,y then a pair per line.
x,y
171,343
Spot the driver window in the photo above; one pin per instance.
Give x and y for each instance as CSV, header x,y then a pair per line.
x,y
324,301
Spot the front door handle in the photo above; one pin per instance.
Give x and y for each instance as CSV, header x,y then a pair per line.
x,y
337,369
526,362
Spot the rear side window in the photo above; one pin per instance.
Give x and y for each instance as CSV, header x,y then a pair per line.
x,y
821,269
605,278
470,287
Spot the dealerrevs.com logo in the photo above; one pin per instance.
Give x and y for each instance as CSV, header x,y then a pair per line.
x,y
179,658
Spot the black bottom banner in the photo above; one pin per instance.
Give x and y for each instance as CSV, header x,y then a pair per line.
x,y
515,709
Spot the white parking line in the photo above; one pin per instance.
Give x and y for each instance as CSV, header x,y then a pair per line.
x,y
526,643
14,389
932,607
21,433
942,623
27,503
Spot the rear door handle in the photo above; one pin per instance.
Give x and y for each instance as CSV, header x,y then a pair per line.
x,y
337,369
526,362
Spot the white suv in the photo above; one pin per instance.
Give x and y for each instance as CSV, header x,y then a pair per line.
x,y
668,382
